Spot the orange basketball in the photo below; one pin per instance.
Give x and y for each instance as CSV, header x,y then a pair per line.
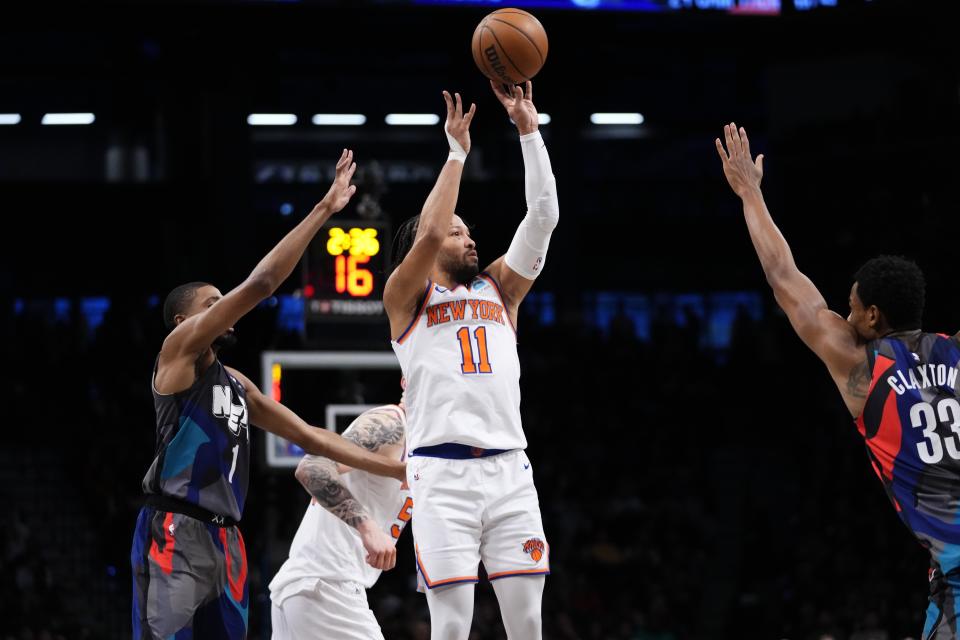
x,y
509,46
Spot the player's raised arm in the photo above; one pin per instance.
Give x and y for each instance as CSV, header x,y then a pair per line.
x,y
406,283
524,260
199,331
831,337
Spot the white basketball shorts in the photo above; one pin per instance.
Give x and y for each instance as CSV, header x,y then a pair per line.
x,y
468,511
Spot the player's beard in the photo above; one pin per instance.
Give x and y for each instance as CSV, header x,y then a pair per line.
x,y
463,271
225,341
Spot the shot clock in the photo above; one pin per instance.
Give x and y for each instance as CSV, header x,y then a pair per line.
x,y
344,270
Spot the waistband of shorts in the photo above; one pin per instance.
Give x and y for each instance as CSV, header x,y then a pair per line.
x,y
456,451
166,503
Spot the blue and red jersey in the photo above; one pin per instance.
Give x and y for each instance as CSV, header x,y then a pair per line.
x,y
911,424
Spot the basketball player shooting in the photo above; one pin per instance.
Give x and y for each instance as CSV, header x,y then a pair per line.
x,y
898,382
453,332
188,557
346,538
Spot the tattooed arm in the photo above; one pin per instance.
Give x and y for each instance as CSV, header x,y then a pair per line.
x,y
379,431
321,478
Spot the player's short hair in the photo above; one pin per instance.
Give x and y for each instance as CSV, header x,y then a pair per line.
x,y
177,302
896,286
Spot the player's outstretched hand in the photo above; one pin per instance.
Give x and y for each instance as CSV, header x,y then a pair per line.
x,y
457,126
519,105
742,172
341,190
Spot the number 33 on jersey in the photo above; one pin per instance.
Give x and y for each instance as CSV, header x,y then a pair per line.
x,y
911,424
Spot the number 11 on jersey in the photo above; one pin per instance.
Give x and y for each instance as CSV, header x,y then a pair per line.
x,y
469,365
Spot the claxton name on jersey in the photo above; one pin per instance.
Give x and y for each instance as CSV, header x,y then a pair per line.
x,y
468,309
924,376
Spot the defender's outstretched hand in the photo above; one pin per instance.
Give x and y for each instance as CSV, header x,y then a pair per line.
x,y
742,172
341,190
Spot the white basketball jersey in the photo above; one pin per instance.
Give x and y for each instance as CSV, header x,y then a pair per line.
x,y
459,358
327,548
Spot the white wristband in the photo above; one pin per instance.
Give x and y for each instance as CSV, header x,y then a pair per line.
x,y
456,151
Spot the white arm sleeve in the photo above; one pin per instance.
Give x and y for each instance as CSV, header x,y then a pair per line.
x,y
528,251
536,165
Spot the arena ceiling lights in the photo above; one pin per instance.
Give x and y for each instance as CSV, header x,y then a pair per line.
x,y
339,119
68,118
616,118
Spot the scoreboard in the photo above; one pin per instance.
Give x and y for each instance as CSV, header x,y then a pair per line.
x,y
344,270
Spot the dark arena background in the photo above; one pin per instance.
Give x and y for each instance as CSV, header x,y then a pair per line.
x,y
699,476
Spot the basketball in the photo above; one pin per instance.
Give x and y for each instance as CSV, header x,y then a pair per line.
x,y
509,46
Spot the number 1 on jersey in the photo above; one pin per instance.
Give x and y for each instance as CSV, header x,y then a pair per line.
x,y
233,465
466,351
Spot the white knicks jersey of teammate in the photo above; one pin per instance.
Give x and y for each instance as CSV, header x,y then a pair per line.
x,y
326,548
459,358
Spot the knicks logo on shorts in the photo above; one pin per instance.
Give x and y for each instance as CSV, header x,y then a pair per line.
x,y
534,547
